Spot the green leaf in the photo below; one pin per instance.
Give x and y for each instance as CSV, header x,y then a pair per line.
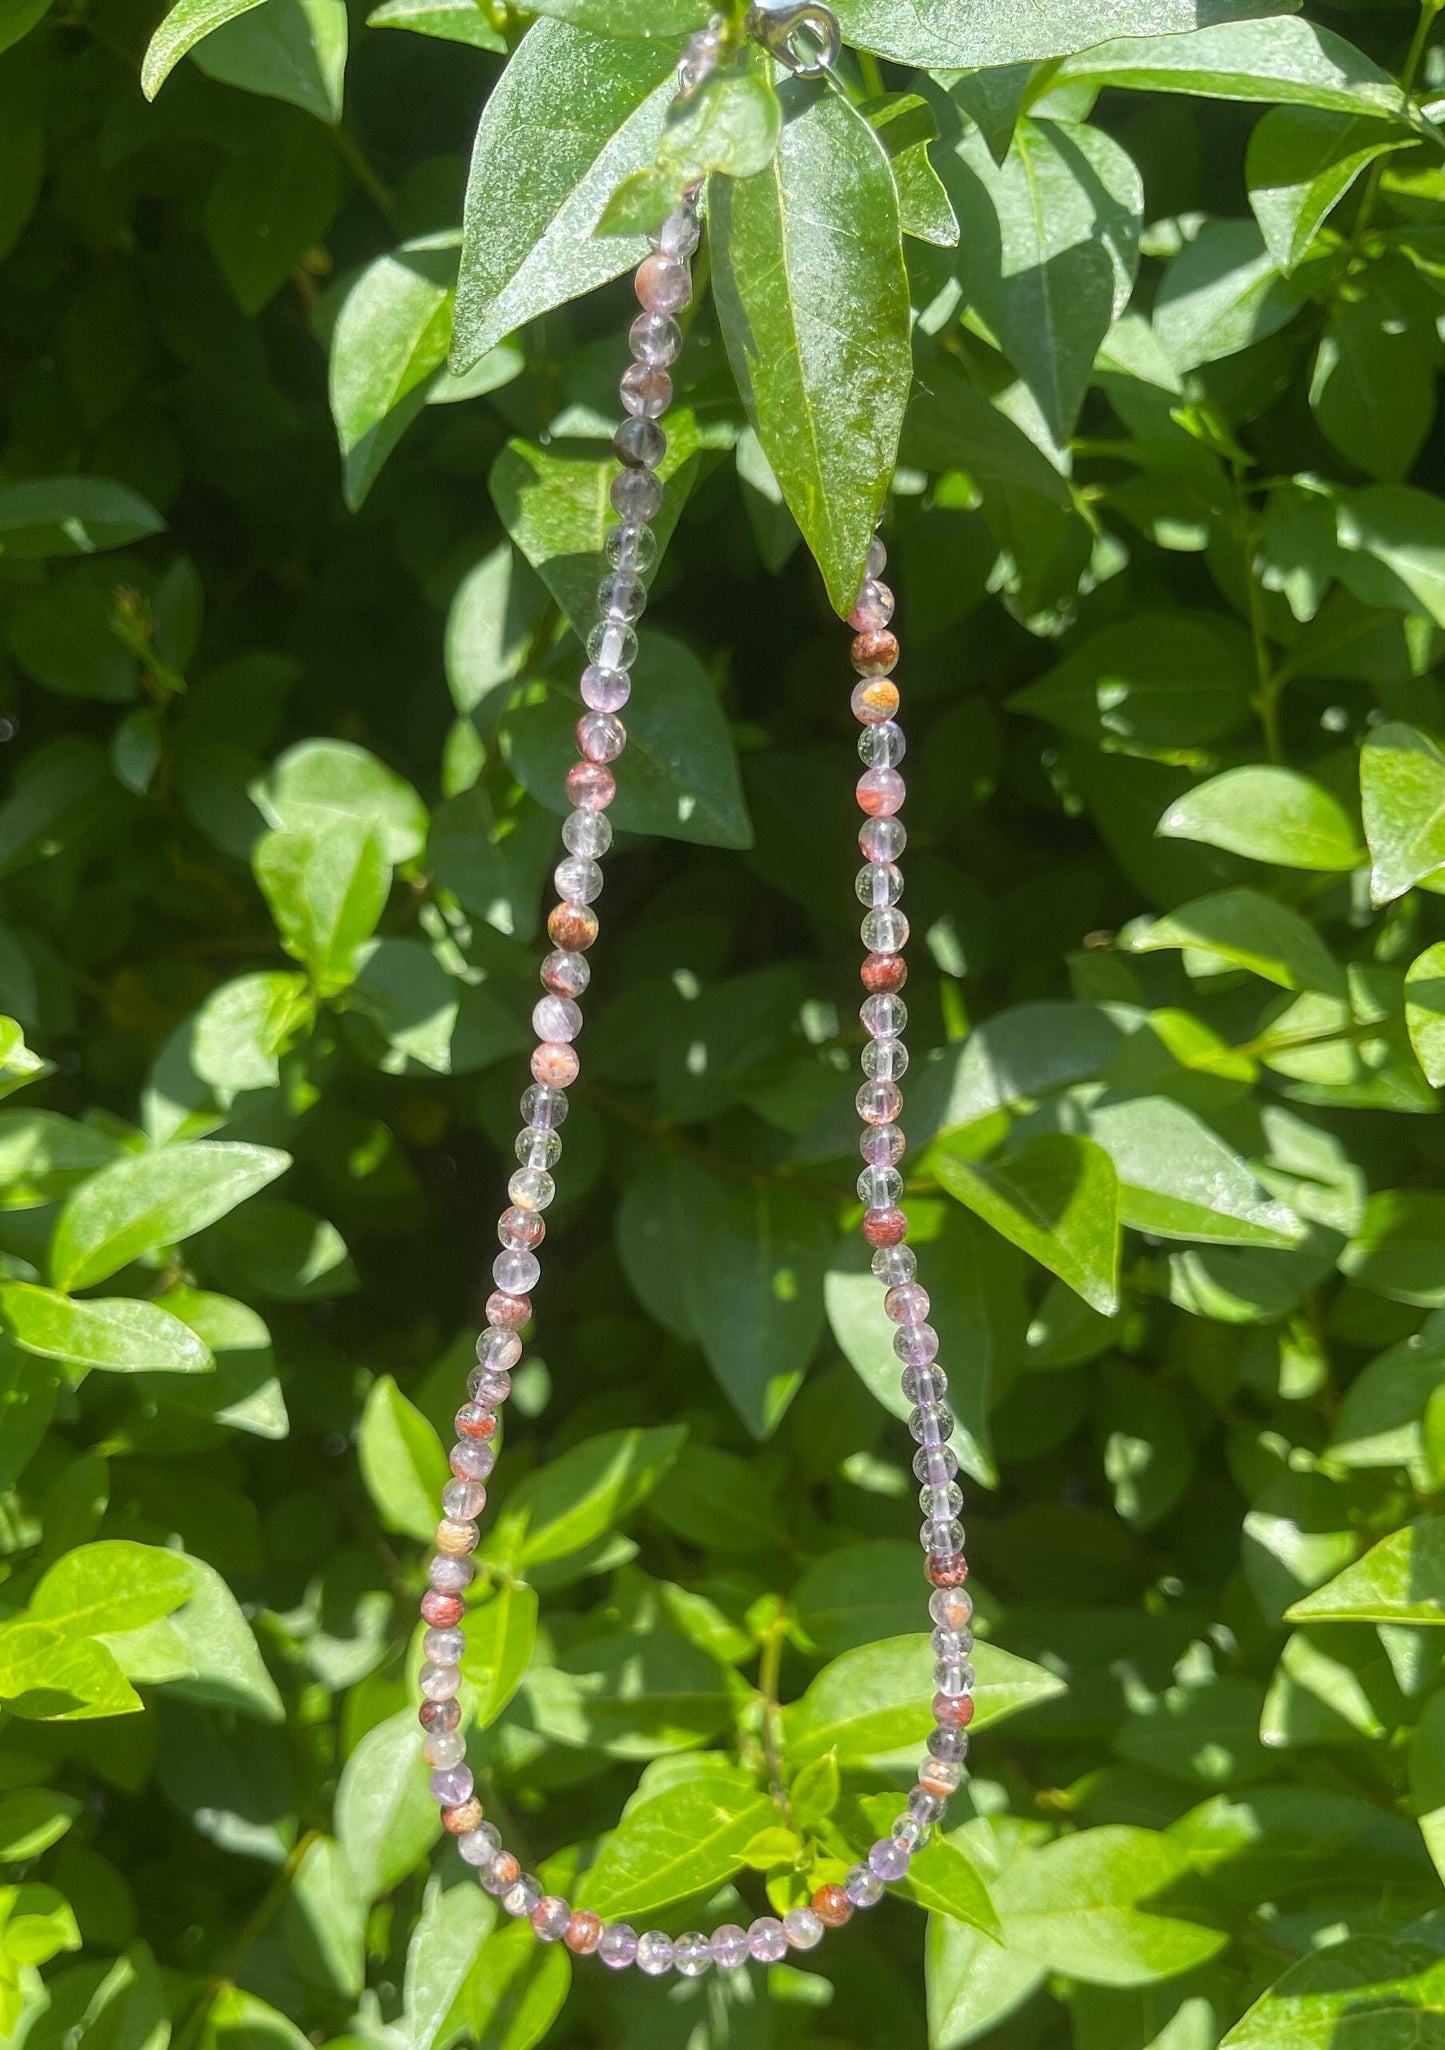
x,y
31,1820
1393,548
18,17
1366,1989
406,1007
717,1500
450,1932
628,17
115,1585
180,30
326,892
501,1633
873,1704
1205,1733
44,1155
1300,164
955,32
119,1335
205,1652
813,299
1056,1198
629,1696
1222,293
271,204
1161,680
679,776
386,1820
587,1491
293,50
326,1920
1399,1580
1378,1420
572,115
1048,247
402,1461
905,125
243,1393
685,1840
1372,390
1280,58
19,1064
154,1199
1074,1905
491,623
50,516
945,1882
1424,1012
1267,814
451,21
854,1595
1399,1249
1241,929
49,1676
1427,1776
243,1028
319,783
729,125
1402,794
28,1388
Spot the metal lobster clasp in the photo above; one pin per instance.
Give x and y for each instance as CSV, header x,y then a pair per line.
x,y
805,37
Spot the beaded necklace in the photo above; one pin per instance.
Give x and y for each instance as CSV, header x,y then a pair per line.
x,y
806,39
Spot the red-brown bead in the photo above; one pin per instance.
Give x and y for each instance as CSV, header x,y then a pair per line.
x,y
442,1610
883,974
885,1227
584,1932
875,653
460,1821
953,1711
949,1572
590,786
832,1906
472,1421
573,926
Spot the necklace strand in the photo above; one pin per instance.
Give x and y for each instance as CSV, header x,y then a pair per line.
x,y
663,285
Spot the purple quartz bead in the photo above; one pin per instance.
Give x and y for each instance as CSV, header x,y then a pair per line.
x,y
729,1946
863,1886
480,1845
802,1928
451,1785
889,1859
767,1940
605,690
617,1946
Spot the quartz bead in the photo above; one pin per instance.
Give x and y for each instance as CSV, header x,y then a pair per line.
x,y
491,1390
618,1945
646,391
879,1102
584,1932
545,1108
874,608
464,1817
883,1017
612,643
767,1940
440,1683
947,1570
906,1304
952,1607
500,1873
450,1576
516,1226
885,932
882,746
577,879
607,690
942,1539
451,1785
529,1188
565,975
878,1186
556,1018
882,1145
442,1748
692,1954
601,739
892,1264
636,497
953,1711
802,1928
572,925
880,792
588,833
539,1150
889,1859
885,1227
953,1645
954,1676
654,338
874,700
480,1845
875,653
455,1539
516,1273
949,1745
908,1831
879,885
462,1500
877,557
885,1060
622,595
680,234
916,1344
662,283
654,1953
832,1906
439,1718
442,1610
941,1505
523,1897
882,839
940,1777
479,1425
634,548
470,1461
591,786
641,444
558,1066
933,1425
925,1386
444,1647
935,1465
498,1351
863,1886
882,974
550,1918
925,1807
729,1946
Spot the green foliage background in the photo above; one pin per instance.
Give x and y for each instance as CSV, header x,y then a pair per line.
x,y
287,608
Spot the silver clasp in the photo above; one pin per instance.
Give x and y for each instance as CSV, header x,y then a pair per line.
x,y
805,37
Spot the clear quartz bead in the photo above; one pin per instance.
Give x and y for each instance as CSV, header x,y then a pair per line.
x,y
538,1150
636,496
908,1831
654,1953
882,746
926,1808
577,880
894,1264
882,1145
587,833
931,1426
924,1386
612,643
880,1187
877,557
885,932
951,1644
802,1928
941,1504
863,1886
882,839
729,1946
556,1019
916,1344
531,1189
516,1272
444,1747
885,1060
462,1500
692,1954
622,596
630,547
879,884
953,1676
523,1897
942,1539
617,1946
601,739
545,1108
883,1017
767,1940
480,1845
935,1466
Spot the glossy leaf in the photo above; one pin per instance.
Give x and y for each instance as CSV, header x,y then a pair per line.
x,y
873,1703
954,33
1243,929
1279,58
1161,680
52,516
1425,1011
1402,792
1057,1199
1300,164
117,1335
402,1461
1399,1580
591,1489
1267,814
292,50
684,1840
154,1199
386,1820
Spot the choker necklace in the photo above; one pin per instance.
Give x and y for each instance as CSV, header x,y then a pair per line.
x,y
806,39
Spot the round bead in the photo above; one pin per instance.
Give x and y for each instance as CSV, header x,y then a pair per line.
x,y
767,1940
875,653
882,1145
480,1844
463,1500
538,1149
444,1648
878,1186
462,1819
885,1060
573,926
953,1711
628,547
892,1264
874,608
952,1607
498,1351
471,1461
607,690
882,839
601,737
454,1539
729,1946
885,1227
916,1344
885,932
449,1576
545,1108
584,1932
662,283
926,1807
692,1954
874,700
882,746
949,1745
803,1929
832,1906
636,497
879,885
451,1785
442,1610
926,1387
880,1017
531,1189
883,973
889,1859
646,391
931,1424
612,643
617,1946
880,792
879,1102
479,1425
947,1572
863,1886
516,1273
577,879
623,595
588,833
954,1674
940,1776
500,1873
556,1018
591,787
550,1918
908,1831
557,1066
654,338
444,1747
489,1389
680,234
523,1897
877,557
654,1953
906,1304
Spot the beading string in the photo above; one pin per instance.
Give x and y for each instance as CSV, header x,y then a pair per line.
x,y
663,285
